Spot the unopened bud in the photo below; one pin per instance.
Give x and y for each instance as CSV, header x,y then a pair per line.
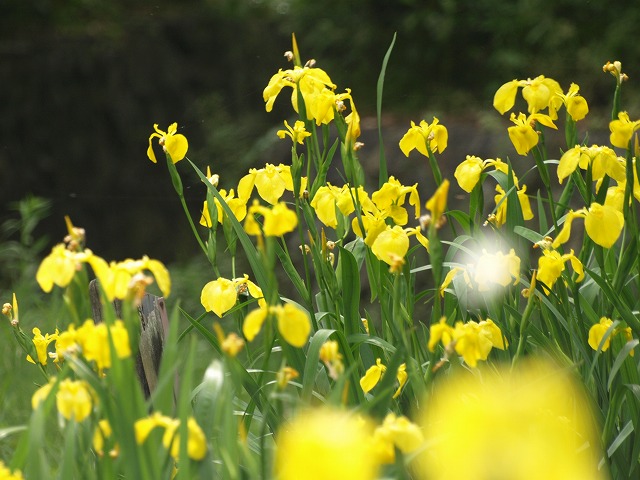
x,y
305,249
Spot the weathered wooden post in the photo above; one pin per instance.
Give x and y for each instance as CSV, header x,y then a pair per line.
x,y
154,326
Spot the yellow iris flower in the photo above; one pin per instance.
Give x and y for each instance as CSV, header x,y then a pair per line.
x,y
523,136
220,295
603,160
551,266
174,144
501,203
622,129
575,103
324,443
74,399
328,197
196,440
297,133
539,93
237,205
396,432
117,278
374,373
270,181
473,341
60,266
276,221
41,342
597,333
424,137
293,323
527,423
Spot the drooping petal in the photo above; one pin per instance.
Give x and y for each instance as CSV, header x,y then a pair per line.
x,y
603,224
253,323
505,97
294,325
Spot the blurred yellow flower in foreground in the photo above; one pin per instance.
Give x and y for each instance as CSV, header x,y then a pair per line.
x,y
530,423
325,444
174,144
6,474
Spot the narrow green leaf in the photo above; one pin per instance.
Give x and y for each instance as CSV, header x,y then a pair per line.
x,y
620,358
311,362
350,287
619,440
383,175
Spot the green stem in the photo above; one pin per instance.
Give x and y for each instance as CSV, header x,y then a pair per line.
x,y
524,323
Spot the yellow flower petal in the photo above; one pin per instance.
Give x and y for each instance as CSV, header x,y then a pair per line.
x,y
219,296
253,323
603,224
294,325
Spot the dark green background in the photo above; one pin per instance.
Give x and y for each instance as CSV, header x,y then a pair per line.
x,y
83,81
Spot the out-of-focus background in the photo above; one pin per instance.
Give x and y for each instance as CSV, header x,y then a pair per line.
x,y
83,81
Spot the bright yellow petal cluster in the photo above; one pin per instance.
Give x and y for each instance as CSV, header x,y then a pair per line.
x,y
293,323
622,129
501,205
220,295
74,398
603,223
469,171
598,331
374,373
7,474
602,160
529,423
496,268
270,181
196,440
328,197
523,134
276,221
297,133
174,144
326,444
472,340
41,342
237,205
332,358
540,93
121,279
60,266
551,266
396,432
391,197
426,137
93,341
575,103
